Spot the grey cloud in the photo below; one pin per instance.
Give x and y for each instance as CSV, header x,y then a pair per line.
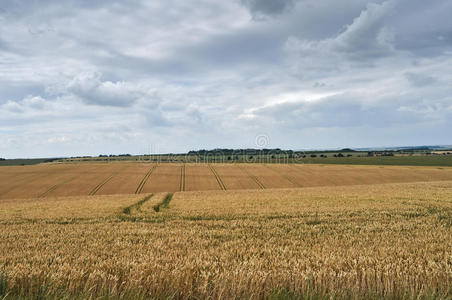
x,y
423,28
366,36
2,45
351,110
364,40
380,31
419,79
244,48
14,7
268,7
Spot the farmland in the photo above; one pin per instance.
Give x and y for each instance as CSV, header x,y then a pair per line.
x,y
379,240
82,179
134,230
440,159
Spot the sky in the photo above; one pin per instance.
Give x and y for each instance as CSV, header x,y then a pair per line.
x,y
81,77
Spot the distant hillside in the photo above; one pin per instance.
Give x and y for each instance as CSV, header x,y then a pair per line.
x,y
25,161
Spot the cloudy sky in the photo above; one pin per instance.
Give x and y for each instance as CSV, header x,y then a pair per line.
x,y
81,77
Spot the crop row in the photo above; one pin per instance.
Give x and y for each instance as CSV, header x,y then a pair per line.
x,y
129,178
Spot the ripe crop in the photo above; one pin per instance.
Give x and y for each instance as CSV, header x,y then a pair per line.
x,y
386,240
55,180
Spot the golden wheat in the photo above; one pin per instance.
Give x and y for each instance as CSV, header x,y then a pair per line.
x,y
392,240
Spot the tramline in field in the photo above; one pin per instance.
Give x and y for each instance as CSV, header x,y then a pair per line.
x,y
128,178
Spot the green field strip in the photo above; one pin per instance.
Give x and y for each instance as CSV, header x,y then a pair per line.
x,y
254,178
217,177
164,204
100,185
136,206
144,180
182,178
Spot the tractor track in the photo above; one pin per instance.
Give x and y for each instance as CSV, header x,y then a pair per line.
x,y
164,203
217,177
182,178
54,187
144,180
100,185
136,206
255,179
288,178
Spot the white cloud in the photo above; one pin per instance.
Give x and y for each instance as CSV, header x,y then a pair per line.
x,y
28,104
91,89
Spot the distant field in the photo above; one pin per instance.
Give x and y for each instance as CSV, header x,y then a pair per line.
x,y
79,179
356,158
419,160
355,242
24,162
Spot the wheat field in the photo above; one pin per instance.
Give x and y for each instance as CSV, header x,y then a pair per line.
x,y
83,179
361,241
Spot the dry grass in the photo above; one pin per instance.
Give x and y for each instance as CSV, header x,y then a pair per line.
x,y
391,240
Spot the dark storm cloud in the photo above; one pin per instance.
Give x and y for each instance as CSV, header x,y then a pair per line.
x,y
423,27
268,7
